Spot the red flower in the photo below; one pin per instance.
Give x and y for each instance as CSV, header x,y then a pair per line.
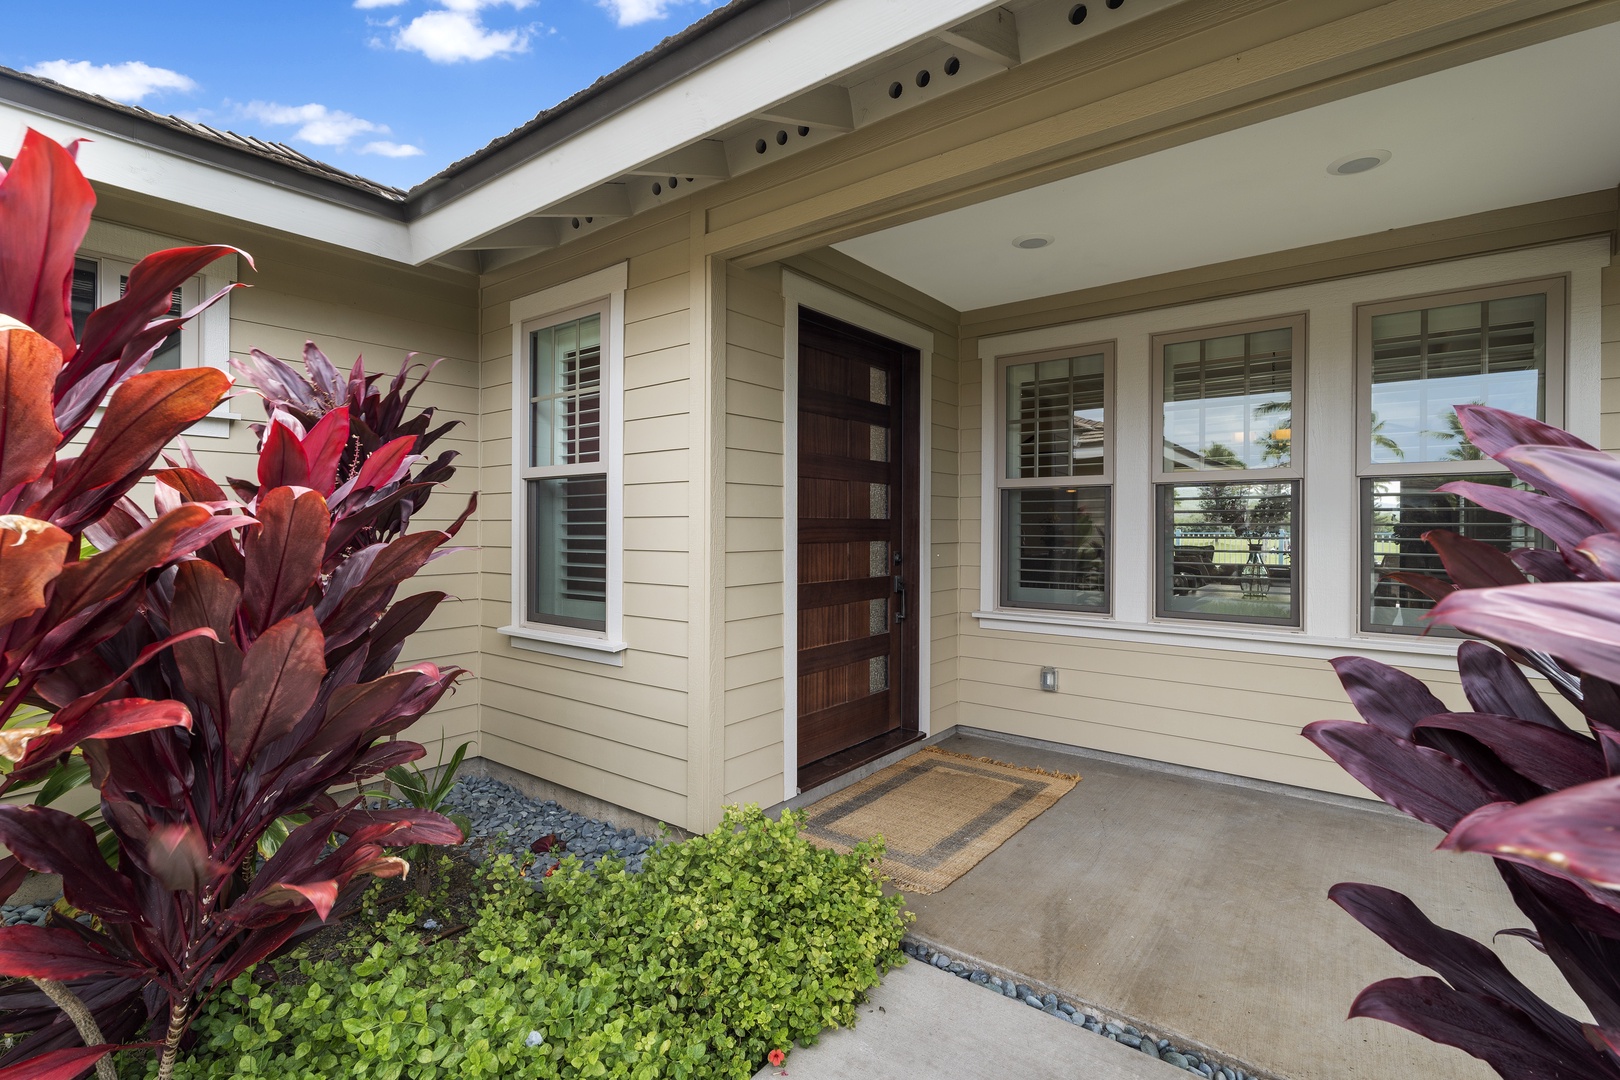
x,y
550,870
776,1057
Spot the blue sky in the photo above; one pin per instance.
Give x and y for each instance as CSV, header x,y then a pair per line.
x,y
392,89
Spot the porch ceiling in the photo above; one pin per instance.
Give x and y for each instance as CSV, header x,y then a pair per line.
x,y
1518,128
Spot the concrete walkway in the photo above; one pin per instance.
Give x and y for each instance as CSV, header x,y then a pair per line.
x,y
1198,910
923,1023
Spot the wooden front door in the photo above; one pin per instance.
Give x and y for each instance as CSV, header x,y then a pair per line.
x,y
858,613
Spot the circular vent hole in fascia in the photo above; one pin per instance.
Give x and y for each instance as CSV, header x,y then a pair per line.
x,y
1077,14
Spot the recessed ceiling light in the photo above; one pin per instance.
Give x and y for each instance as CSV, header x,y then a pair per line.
x,y
1365,161
1030,243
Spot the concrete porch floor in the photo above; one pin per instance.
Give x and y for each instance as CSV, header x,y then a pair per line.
x,y
1198,909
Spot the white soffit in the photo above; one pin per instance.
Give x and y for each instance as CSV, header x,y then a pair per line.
x,y
1534,124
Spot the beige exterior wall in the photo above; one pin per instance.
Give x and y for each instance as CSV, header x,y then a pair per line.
x,y
1611,357
615,733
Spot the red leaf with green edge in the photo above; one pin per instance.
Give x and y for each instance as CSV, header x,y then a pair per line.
x,y
323,449
28,434
69,1063
283,554
1496,430
1386,698
1576,621
1550,758
31,554
1420,782
40,953
281,461
1588,479
145,413
45,205
1493,1031
1495,684
1563,524
281,676
210,670
1468,966
1471,564
1569,833
387,465
51,842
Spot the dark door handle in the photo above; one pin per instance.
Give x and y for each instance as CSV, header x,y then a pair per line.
x,y
900,598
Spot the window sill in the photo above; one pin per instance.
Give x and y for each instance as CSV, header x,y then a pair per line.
x,y
1402,650
593,650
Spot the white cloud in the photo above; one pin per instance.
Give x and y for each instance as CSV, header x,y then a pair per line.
x,y
129,82
316,123
391,149
634,12
455,31
366,5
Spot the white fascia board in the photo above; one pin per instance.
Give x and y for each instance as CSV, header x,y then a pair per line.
x,y
121,163
805,53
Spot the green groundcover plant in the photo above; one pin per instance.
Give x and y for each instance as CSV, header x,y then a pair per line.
x,y
724,948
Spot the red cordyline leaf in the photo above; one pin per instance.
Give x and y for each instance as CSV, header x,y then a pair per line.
x,y
31,554
28,434
387,464
1496,1033
45,205
1386,698
65,1064
281,461
1602,552
1569,832
281,676
1416,780
1576,621
1496,430
51,842
109,573
40,953
145,413
108,720
1495,684
283,554
1563,524
324,447
1589,479
1549,758
1472,564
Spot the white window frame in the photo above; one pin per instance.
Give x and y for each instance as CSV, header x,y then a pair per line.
x,y
1556,288
1293,473
1103,479
602,291
206,340
1330,515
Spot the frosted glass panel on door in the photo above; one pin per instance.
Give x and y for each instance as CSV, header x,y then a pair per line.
x,y
1427,361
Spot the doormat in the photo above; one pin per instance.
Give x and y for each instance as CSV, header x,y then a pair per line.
x,y
939,813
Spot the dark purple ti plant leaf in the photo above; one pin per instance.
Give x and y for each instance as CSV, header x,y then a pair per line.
x,y
1427,784
1390,700
1570,833
1576,621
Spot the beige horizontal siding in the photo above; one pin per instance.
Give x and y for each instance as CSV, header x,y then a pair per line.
x,y
1611,356
615,733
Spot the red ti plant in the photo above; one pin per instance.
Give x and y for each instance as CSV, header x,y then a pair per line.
x,y
1509,778
220,668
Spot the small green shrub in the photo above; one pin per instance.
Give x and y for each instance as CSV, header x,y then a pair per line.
x,y
723,948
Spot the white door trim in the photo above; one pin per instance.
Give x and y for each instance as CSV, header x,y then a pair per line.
x,y
799,291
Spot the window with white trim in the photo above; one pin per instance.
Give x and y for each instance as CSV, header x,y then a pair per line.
x,y
1055,480
1228,474
567,485
1418,358
564,474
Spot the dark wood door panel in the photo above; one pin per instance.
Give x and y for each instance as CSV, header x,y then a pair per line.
x,y
857,538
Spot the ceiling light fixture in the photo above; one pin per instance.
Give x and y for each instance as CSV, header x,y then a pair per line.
x,y
1030,243
1365,161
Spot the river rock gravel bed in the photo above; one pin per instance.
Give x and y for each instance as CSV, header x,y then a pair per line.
x,y
504,821
1052,1005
